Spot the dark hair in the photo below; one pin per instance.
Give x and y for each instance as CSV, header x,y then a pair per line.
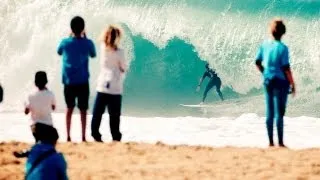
x,y
51,137
77,25
40,79
277,28
46,134
111,37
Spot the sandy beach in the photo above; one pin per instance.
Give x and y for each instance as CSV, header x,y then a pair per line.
x,y
159,161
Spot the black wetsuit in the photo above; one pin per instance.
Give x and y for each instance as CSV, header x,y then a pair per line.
x,y
214,81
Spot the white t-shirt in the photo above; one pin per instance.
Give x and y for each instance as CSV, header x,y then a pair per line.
x,y
111,78
40,105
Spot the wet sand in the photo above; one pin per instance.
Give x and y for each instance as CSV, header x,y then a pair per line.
x,y
93,161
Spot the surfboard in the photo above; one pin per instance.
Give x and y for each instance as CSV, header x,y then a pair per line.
x,y
196,105
221,103
190,105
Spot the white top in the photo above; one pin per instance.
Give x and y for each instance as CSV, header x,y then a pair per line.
x,y
40,105
111,77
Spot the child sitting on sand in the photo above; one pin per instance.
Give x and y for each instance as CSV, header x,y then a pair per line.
x,y
273,62
39,104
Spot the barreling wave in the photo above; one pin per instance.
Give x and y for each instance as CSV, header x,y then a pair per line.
x,y
167,43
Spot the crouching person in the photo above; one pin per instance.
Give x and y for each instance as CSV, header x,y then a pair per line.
x,y
44,162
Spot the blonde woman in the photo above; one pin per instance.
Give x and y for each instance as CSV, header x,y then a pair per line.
x,y
110,84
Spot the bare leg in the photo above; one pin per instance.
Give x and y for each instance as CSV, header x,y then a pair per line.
x,y
83,116
68,122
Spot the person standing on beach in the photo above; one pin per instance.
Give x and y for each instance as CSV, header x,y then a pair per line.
x,y
113,67
76,51
214,81
40,103
273,62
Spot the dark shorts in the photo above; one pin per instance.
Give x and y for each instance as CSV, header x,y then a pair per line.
x,y
77,93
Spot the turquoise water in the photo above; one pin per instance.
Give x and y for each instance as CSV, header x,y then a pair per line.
x,y
167,43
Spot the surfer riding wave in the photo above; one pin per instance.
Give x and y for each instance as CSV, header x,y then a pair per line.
x,y
214,81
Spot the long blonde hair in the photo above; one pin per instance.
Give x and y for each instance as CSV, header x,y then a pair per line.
x,y
111,37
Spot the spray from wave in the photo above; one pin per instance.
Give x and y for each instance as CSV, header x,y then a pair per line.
x,y
167,43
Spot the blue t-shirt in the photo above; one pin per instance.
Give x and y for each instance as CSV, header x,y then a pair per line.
x,y
75,56
274,56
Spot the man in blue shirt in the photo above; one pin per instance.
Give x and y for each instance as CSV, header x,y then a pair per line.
x,y
75,51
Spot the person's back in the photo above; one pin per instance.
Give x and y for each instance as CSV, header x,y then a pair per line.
x,y
275,56
212,75
40,106
76,52
273,62
40,103
44,162
110,71
110,84
52,167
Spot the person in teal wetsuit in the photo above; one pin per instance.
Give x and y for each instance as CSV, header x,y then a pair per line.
x,y
273,62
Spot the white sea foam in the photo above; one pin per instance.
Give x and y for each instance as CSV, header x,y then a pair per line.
x,y
247,130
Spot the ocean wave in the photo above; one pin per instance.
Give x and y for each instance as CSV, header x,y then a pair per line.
x,y
167,43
